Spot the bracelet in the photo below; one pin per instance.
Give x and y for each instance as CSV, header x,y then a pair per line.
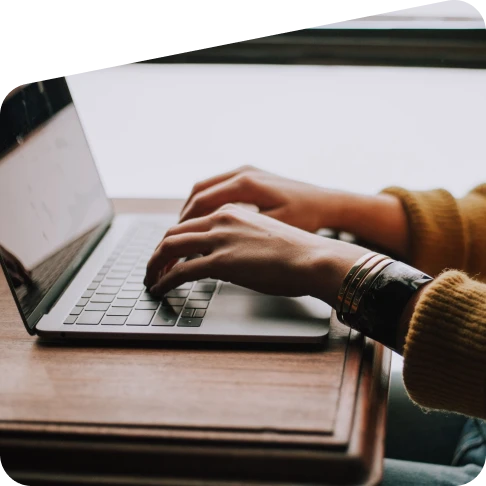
x,y
366,283
356,280
342,291
376,302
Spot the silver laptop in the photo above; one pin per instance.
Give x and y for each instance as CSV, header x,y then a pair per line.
x,y
76,270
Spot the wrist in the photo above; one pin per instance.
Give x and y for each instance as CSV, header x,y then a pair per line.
x,y
328,267
378,219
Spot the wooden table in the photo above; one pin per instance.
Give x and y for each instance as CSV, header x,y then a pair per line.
x,y
165,414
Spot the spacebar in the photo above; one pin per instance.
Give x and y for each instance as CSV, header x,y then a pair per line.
x,y
140,318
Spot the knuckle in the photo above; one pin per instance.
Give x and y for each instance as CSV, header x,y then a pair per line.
x,y
245,180
196,187
246,168
228,208
171,231
168,243
226,215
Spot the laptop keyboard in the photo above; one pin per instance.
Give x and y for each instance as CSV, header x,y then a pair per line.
x,y
117,296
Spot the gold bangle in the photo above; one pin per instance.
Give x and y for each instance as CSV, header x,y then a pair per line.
x,y
367,282
359,276
349,276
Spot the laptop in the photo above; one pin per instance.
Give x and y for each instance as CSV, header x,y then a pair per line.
x,y
76,269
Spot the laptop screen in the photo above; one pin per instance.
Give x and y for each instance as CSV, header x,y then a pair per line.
x,y
53,207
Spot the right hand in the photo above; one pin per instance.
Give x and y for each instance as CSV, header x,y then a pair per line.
x,y
302,205
18,274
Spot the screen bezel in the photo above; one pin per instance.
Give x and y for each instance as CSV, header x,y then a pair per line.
x,y
60,285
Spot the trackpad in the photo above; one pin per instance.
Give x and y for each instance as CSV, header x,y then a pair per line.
x,y
239,299
231,289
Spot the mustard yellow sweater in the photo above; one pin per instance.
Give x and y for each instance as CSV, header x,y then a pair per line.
x,y
445,350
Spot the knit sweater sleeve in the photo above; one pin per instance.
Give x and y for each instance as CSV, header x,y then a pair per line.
x,y
445,348
446,232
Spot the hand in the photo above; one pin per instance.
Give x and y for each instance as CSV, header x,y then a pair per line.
x,y
379,220
16,270
301,205
254,251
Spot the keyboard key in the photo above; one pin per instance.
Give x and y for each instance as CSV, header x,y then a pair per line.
x,y
70,319
113,282
124,303
185,286
132,286
199,313
205,287
93,285
139,273
147,296
177,293
147,305
90,318
140,318
189,322
123,275
187,313
197,304
104,270
82,302
119,311
113,320
201,295
129,295
102,298
88,294
172,301
127,260
165,316
76,311
107,290
121,268
98,278
97,307
135,279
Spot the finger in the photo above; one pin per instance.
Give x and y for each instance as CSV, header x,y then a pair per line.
x,y
197,225
212,181
174,248
235,190
181,273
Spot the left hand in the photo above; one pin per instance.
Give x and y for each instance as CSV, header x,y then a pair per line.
x,y
254,251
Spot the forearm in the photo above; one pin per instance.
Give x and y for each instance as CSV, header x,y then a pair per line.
x,y
379,220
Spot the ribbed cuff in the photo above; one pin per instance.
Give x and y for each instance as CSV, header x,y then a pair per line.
x,y
445,350
437,236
